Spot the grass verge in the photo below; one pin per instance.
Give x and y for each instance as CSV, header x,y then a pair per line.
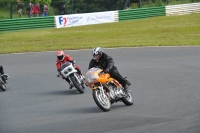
x,y
158,31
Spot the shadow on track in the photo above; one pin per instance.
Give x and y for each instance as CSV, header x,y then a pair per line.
x,y
61,92
94,109
85,110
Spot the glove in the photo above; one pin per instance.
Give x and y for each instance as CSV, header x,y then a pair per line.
x,y
106,70
73,61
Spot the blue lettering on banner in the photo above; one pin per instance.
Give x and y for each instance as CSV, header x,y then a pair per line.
x,y
63,21
89,18
73,20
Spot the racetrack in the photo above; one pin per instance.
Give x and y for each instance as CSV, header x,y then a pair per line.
x,y
165,84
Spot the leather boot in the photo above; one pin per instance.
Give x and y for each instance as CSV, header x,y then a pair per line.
x,y
128,83
70,86
126,89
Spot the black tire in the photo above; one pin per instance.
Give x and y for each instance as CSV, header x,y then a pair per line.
x,y
101,104
2,87
78,86
128,99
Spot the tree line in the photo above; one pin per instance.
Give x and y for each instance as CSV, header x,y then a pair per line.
x,y
76,6
87,6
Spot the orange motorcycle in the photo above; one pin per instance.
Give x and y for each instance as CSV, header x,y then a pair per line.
x,y
106,90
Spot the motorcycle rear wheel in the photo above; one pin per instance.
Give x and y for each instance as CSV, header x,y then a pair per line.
x,y
103,103
128,99
78,86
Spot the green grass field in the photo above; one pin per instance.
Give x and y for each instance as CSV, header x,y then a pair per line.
x,y
181,30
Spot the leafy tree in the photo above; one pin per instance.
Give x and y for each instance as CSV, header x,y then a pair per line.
x,y
4,4
56,4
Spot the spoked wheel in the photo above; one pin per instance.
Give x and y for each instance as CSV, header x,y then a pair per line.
x,y
128,99
2,87
101,100
78,86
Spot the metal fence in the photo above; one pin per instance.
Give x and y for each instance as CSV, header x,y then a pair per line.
x,y
9,9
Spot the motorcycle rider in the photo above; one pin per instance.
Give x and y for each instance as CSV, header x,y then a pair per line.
x,y
3,76
106,62
62,58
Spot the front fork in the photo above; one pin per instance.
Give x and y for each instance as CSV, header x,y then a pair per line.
x,y
71,83
102,91
75,75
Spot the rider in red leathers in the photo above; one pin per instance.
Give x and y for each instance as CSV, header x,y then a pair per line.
x,y
62,58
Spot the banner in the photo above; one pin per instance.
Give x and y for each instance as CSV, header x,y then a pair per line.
x,y
84,19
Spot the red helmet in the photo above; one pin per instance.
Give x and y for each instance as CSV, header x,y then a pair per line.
x,y
60,55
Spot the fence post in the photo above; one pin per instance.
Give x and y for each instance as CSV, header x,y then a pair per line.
x,y
10,9
140,4
127,4
72,7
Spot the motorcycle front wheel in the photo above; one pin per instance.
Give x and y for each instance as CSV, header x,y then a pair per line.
x,y
78,86
2,87
101,100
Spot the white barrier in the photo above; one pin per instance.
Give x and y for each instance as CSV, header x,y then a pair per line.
x,y
86,19
182,9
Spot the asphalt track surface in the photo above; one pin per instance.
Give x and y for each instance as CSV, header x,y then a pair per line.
x,y
165,84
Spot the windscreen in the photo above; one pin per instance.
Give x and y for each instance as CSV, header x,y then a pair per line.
x,y
65,65
92,70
